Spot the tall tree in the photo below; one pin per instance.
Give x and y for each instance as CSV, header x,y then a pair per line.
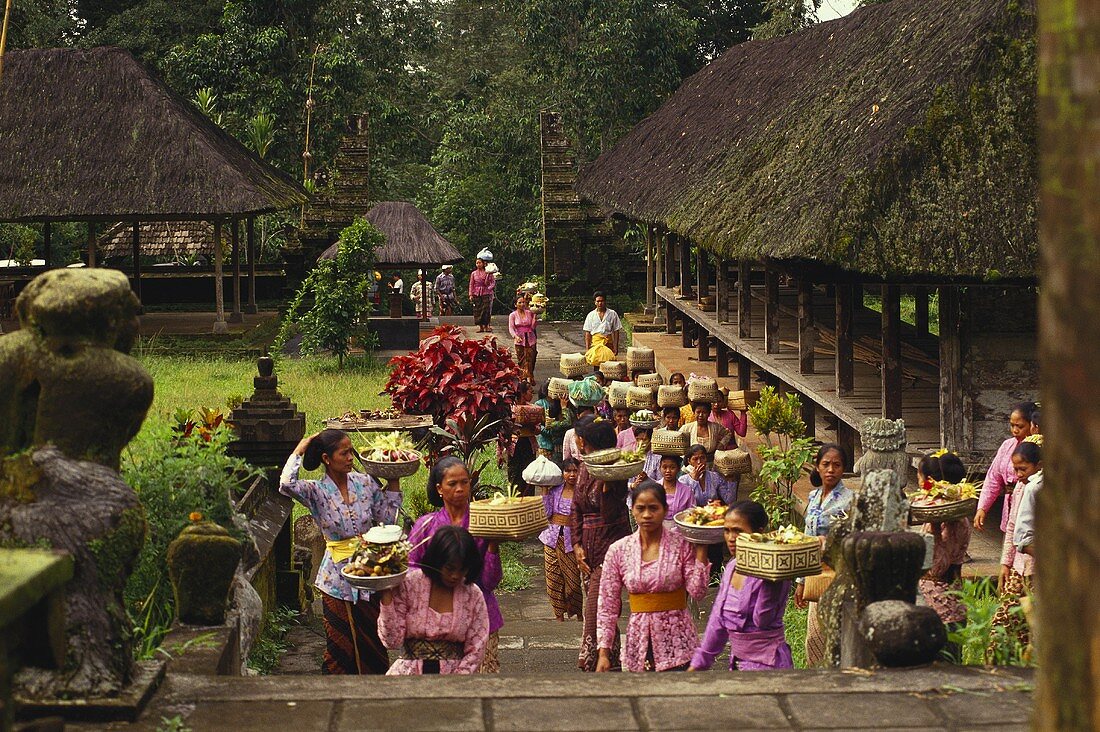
x,y
1069,336
786,16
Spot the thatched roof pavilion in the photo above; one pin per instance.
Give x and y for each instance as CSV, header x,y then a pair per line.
x,y
890,153
90,135
411,240
162,239
898,140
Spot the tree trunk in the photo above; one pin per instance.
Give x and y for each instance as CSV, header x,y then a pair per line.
x,y
1068,627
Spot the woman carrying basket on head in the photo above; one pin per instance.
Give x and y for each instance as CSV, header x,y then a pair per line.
x,y
482,286
344,504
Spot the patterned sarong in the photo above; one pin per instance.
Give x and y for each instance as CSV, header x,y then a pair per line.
x,y
491,663
590,653
563,581
340,646
1014,624
815,638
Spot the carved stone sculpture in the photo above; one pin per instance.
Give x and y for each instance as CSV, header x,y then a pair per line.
x,y
873,557
70,400
884,444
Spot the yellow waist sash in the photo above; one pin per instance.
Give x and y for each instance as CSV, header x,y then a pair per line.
x,y
342,549
655,602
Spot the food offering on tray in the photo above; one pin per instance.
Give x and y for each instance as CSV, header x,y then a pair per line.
x,y
380,560
713,514
390,455
645,418
943,501
702,524
785,553
377,414
614,464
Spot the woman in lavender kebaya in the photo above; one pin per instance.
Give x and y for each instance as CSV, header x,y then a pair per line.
x,y
449,487
563,576
344,504
748,612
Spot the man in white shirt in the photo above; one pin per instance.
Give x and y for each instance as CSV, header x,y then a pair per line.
x,y
397,286
602,331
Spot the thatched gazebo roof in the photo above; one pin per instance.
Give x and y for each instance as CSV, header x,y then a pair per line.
x,y
411,240
896,141
161,239
91,135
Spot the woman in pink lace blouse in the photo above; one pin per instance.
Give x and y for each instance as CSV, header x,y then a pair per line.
x,y
659,569
437,618
1001,477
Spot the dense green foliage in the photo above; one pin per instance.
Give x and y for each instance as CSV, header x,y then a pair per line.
x,y
453,89
339,290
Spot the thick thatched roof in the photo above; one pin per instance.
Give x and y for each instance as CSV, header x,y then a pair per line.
x,y
896,141
411,240
90,134
162,239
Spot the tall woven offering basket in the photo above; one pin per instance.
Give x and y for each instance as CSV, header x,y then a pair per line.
x,y
516,520
558,388
669,442
614,370
741,400
671,395
573,365
640,358
617,394
732,463
771,561
651,381
639,397
528,415
703,389
965,508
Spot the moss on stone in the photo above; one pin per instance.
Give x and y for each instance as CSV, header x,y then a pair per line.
x,y
116,551
18,476
201,564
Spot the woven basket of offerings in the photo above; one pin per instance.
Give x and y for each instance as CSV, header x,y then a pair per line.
x,y
732,463
573,365
558,388
742,400
640,358
703,524
617,394
778,555
669,442
614,370
390,456
943,501
528,415
703,389
507,517
640,397
671,395
651,381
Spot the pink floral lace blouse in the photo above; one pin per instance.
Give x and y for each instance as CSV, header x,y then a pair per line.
x,y
671,633
409,616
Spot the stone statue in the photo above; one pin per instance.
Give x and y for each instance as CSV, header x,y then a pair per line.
x,y
875,558
884,443
70,400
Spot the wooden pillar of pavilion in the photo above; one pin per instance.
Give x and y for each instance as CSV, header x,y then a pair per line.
x,y
220,326
843,357
250,249
891,352
771,309
806,331
670,259
744,298
702,273
135,251
91,245
920,300
686,292
744,373
235,238
954,411
722,276
650,269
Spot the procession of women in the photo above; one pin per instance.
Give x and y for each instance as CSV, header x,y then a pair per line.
x,y
621,461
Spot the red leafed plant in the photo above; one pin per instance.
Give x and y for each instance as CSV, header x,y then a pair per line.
x,y
454,377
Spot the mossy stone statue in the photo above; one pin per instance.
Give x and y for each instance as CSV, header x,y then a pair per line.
x,y
201,563
70,399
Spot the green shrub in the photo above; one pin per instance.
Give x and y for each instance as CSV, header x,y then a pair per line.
x,y
173,478
981,600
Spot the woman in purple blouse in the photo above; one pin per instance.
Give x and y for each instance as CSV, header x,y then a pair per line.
x,y
747,612
563,576
344,504
449,487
